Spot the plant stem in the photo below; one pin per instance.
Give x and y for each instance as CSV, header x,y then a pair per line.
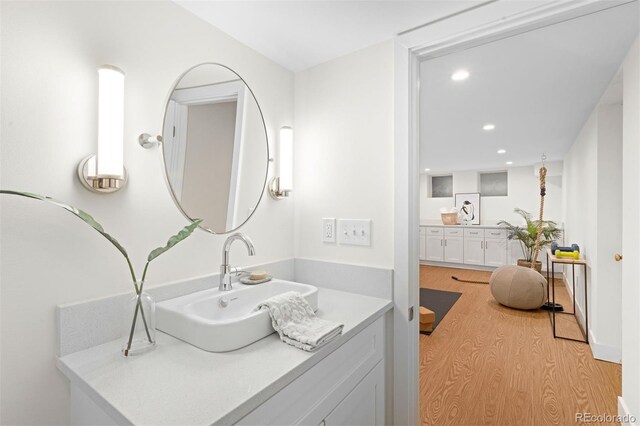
x,y
138,306
138,293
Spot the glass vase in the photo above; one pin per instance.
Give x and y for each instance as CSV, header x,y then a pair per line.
x,y
139,325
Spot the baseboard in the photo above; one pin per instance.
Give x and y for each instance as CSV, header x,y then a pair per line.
x,y
473,267
599,351
625,417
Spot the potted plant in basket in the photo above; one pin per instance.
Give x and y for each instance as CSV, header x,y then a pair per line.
x,y
527,234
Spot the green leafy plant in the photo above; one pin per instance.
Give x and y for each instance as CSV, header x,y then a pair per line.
x,y
89,220
528,234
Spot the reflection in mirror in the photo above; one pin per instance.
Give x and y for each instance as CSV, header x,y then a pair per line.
x,y
215,147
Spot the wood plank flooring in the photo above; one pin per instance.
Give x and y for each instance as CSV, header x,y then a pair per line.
x,y
486,364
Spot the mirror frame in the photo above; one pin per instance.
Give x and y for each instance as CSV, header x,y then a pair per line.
x,y
164,164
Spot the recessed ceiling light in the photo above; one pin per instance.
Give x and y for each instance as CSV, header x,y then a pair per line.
x,y
460,75
488,126
509,163
426,170
502,151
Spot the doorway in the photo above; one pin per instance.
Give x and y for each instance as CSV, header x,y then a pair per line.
x,y
440,53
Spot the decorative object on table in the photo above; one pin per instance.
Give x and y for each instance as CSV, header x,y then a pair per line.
x,y
518,287
439,302
555,246
449,217
140,299
296,323
572,252
544,231
468,206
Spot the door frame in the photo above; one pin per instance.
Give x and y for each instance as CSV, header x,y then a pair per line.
x,y
480,24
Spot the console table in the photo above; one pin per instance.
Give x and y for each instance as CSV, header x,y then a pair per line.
x,y
551,258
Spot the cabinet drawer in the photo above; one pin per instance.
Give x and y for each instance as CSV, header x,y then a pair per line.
x,y
496,234
474,233
431,230
453,232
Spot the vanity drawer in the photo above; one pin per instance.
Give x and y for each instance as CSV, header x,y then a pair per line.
x,y
474,233
453,232
495,234
434,230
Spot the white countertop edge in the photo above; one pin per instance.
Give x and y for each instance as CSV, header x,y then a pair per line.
x,y
245,407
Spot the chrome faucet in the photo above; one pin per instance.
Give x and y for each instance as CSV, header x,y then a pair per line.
x,y
227,270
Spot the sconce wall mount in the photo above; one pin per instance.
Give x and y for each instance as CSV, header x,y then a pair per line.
x,y
104,172
281,186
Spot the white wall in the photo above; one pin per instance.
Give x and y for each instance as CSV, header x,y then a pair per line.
x,y
592,216
523,192
50,54
344,154
631,234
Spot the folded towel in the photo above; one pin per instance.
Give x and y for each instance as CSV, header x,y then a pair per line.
x,y
297,324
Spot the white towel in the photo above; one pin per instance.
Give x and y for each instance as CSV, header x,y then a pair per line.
x,y
297,324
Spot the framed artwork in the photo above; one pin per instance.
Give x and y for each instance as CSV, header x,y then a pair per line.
x,y
468,205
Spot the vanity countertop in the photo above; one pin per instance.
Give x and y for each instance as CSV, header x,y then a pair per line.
x,y
180,384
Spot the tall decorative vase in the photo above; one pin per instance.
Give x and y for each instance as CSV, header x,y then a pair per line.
x,y
139,325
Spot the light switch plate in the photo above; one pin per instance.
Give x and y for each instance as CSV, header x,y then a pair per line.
x,y
328,230
354,232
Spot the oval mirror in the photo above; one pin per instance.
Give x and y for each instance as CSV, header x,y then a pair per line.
x,y
215,148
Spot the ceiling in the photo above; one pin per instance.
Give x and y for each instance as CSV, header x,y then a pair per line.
x,y
300,34
538,88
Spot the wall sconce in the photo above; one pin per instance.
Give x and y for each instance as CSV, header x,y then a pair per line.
x,y
105,171
282,185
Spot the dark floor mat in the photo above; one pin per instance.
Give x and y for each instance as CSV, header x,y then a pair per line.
x,y
438,301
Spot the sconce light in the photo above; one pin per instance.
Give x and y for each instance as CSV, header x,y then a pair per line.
x,y
282,185
105,171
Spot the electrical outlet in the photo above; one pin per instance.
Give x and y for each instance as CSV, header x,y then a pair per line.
x,y
329,230
354,232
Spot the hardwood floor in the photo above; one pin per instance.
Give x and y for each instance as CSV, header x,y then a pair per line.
x,y
486,364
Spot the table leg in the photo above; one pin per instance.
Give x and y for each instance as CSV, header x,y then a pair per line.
x,y
553,292
586,307
573,283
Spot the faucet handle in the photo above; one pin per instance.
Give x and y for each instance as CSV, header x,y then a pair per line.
x,y
237,270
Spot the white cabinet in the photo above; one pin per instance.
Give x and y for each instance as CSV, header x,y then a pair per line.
x,y
423,243
473,251
364,405
453,245
434,243
345,388
464,245
495,247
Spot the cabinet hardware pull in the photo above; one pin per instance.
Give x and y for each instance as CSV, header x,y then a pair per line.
x,y
481,244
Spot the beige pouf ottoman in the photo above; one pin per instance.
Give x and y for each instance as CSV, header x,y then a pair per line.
x,y
518,287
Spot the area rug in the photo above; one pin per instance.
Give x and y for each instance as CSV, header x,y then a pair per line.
x,y
439,301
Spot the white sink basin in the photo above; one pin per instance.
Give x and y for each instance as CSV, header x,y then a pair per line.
x,y
201,319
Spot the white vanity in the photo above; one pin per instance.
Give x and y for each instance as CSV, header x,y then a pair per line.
x,y
267,382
